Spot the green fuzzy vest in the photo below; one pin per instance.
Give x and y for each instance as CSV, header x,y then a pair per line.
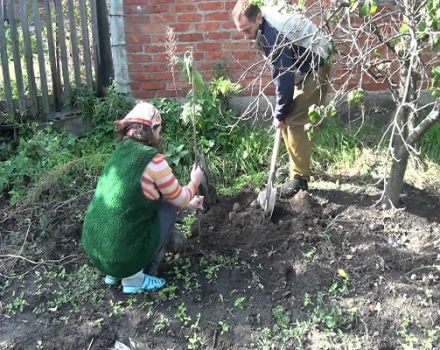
x,y
121,228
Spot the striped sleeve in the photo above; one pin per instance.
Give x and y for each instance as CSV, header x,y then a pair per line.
x,y
158,179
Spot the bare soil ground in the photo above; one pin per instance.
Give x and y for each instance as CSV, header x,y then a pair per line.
x,y
328,271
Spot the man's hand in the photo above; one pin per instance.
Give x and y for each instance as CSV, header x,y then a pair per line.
x,y
195,203
278,124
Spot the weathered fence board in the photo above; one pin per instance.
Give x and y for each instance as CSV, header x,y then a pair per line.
x,y
41,60
61,39
85,43
29,58
45,49
5,65
17,58
56,80
74,40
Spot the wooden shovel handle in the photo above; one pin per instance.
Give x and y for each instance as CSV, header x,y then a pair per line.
x,y
276,148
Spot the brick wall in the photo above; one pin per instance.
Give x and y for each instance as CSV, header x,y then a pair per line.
x,y
206,26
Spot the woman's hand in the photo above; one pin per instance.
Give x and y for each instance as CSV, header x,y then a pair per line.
x,y
197,174
196,203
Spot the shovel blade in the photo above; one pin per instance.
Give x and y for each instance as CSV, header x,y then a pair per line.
x,y
266,199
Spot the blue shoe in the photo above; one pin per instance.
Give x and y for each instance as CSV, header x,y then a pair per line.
x,y
150,284
110,280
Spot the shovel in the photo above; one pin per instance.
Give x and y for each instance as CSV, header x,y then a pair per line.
x,y
267,198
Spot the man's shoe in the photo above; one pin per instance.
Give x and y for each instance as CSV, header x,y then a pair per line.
x,y
290,188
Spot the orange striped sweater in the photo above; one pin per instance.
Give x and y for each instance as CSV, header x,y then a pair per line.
x,y
158,179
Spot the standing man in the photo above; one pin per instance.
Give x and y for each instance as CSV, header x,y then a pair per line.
x,y
297,52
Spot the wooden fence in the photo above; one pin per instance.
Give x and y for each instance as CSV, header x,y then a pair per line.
x,y
49,50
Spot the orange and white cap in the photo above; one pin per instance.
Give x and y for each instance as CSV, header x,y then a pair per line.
x,y
144,113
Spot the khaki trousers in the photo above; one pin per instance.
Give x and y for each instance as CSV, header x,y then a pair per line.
x,y
312,90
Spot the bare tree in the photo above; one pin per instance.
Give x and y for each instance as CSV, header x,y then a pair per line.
x,y
394,44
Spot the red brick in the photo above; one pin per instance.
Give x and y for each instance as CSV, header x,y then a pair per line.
x,y
211,6
208,26
228,25
135,86
182,27
154,48
209,46
190,17
138,38
158,38
136,48
156,67
229,5
162,76
139,77
153,85
159,58
136,67
154,28
141,94
136,58
190,37
242,55
215,55
217,16
218,36
375,86
161,18
178,8
157,8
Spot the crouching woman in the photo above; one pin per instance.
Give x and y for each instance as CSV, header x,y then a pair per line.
x,y
132,213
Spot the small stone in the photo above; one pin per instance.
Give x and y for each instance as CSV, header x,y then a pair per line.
x,y
300,202
327,211
236,207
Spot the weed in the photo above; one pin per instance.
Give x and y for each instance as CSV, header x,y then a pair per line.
x,y
74,289
224,327
182,313
117,308
195,340
187,224
238,303
167,292
16,305
161,323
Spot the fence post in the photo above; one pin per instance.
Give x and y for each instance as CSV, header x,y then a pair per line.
x,y
119,52
104,73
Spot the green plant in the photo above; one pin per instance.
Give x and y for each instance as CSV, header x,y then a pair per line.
x,y
238,303
224,327
182,313
195,340
161,323
117,308
16,305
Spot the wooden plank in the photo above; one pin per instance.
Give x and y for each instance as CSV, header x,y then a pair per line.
x,y
74,40
86,43
28,57
5,65
56,79
95,36
41,61
17,58
62,42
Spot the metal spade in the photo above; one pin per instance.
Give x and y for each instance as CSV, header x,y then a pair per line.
x,y
267,198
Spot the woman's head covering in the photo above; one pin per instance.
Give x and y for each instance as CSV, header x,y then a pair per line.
x,y
144,113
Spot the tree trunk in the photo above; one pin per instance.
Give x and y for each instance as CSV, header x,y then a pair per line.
x,y
394,182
